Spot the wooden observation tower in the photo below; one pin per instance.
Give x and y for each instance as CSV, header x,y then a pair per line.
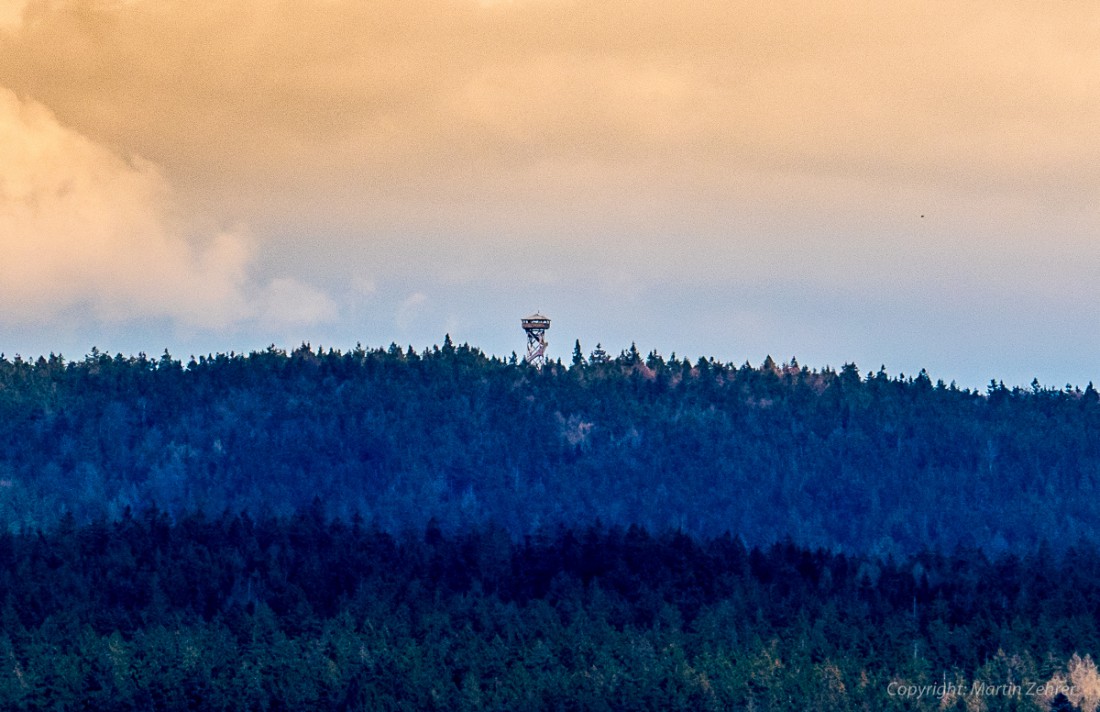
x,y
536,326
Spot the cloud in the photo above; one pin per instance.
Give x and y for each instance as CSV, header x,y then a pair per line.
x,y
376,118
680,141
11,14
410,311
286,302
82,226
461,89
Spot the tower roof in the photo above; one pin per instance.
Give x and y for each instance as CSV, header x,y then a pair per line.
x,y
535,321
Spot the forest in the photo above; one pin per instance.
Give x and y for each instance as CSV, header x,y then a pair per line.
x,y
297,613
844,460
387,529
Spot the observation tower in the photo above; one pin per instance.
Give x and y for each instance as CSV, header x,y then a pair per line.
x,y
536,326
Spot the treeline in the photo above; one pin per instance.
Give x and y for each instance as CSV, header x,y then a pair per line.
x,y
236,612
838,459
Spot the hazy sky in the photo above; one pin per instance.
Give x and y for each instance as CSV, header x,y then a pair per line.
x,y
915,184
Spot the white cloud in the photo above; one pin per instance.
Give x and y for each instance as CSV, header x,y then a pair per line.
x,y
286,302
84,227
410,311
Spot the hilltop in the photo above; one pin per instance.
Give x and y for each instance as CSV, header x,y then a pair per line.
x,y
838,459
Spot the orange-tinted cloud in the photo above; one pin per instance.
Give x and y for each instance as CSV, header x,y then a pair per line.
x,y
414,95
82,226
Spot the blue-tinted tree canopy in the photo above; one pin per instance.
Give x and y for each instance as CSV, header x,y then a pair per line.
x,y
837,459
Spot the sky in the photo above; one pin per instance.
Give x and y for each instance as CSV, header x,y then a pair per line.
x,y
905,184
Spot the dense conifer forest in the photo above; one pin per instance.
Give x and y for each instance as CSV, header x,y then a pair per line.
x,y
839,459
303,613
388,529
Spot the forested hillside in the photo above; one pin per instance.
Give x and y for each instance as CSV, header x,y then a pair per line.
x,y
389,530
859,462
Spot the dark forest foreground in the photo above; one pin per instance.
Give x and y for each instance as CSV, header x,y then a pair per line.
x,y
235,613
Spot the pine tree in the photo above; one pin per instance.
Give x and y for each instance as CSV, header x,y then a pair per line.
x,y
578,355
